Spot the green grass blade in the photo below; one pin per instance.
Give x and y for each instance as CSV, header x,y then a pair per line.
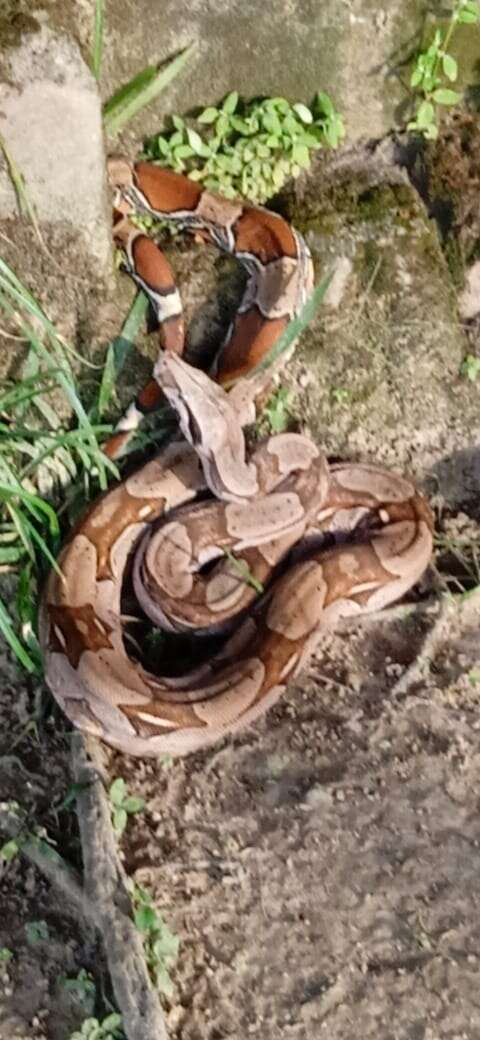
x,y
98,38
25,391
119,349
25,204
296,326
8,632
141,90
63,376
34,505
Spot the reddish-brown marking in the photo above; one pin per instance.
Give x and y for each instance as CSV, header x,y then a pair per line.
x,y
164,190
115,445
264,235
152,265
67,619
253,336
150,396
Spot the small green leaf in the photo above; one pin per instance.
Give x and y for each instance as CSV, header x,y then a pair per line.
x,y
133,804
469,14
199,146
166,946
145,918
163,145
221,126
9,850
117,791
178,122
324,103
163,981
6,955
183,151
208,116
36,932
111,1022
303,113
425,114
450,67
175,139
444,96
230,103
300,155
119,820
431,132
240,125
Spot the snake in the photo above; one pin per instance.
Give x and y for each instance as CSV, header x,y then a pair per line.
x,y
263,550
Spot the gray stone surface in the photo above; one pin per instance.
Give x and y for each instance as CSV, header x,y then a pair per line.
x,y
344,47
50,119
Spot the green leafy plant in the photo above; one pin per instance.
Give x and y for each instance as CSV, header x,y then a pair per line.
x,y
470,367
109,1029
276,412
81,986
340,394
248,148
36,932
6,955
159,943
435,69
123,805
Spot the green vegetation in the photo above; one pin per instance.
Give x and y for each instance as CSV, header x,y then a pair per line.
x,y
159,943
144,88
109,1029
39,457
276,412
435,68
123,805
36,932
248,148
470,367
81,986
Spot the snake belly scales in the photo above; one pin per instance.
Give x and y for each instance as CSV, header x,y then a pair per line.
x,y
338,540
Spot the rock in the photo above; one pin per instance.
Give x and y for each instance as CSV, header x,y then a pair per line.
x,y
469,299
258,48
50,119
386,359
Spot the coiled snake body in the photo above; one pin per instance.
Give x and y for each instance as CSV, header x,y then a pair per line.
x,y
271,511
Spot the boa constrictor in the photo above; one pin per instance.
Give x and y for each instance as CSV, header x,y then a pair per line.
x,y
326,541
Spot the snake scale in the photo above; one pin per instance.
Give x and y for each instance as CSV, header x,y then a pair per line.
x,y
323,542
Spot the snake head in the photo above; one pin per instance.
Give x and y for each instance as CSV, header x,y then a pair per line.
x,y
210,422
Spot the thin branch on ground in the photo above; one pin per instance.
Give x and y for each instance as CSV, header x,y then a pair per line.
x,y
106,888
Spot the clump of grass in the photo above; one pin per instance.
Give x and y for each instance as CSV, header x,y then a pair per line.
x,y
39,457
248,148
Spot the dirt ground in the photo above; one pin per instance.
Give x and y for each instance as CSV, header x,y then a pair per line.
x,y
322,870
